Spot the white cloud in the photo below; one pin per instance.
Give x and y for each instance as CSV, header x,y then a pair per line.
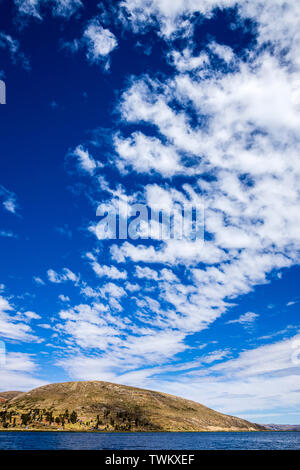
x,y
171,252
7,234
121,358
38,281
19,362
257,382
176,18
146,273
66,8
155,347
110,291
9,200
168,276
108,271
91,326
113,290
62,8
132,287
89,335
185,61
9,205
245,319
224,52
146,154
17,373
100,42
250,144
168,15
67,275
97,41
272,358
86,162
64,298
45,325
215,356
29,7
12,325
32,315
17,57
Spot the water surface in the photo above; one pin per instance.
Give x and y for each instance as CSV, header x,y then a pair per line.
x,y
154,441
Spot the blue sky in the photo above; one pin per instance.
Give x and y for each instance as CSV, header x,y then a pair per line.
x,y
159,103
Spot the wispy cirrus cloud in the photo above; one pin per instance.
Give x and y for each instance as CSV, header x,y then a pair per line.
x,y
264,378
246,319
39,281
85,162
7,234
9,200
13,46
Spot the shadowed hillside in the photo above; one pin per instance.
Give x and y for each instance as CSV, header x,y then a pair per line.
x,y
111,407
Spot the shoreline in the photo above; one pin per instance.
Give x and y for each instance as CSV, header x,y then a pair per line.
x,y
142,432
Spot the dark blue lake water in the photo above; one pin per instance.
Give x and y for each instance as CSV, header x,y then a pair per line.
x,y
153,441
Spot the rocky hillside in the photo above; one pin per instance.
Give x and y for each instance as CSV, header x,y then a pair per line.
x,y
106,406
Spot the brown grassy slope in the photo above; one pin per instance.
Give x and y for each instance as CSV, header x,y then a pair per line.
x,y
161,411
5,396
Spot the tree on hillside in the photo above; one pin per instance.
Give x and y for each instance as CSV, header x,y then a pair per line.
x,y
25,418
73,417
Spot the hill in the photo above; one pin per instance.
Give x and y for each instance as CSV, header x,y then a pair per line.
x,y
107,406
5,396
283,427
